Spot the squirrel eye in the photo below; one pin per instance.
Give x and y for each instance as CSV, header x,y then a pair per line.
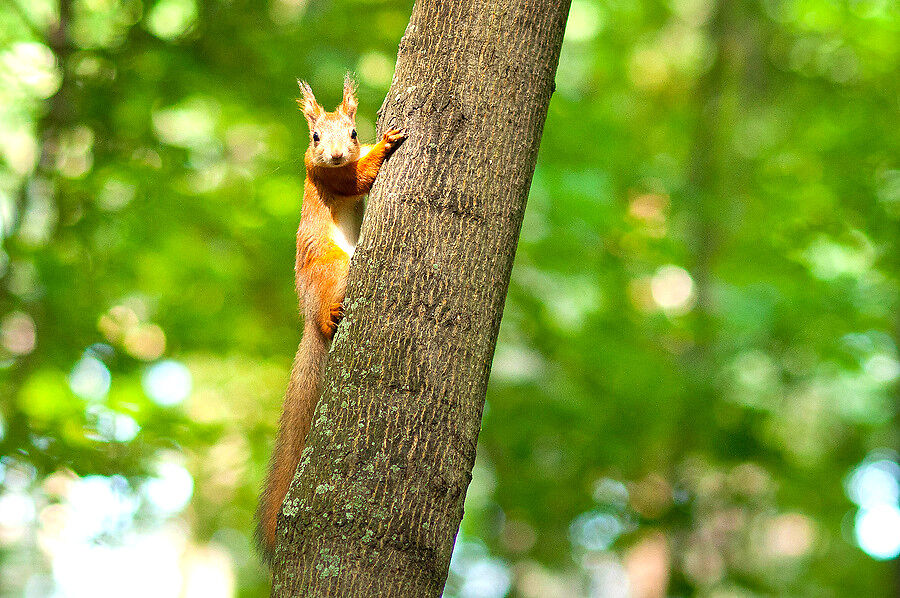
x,y
316,137
353,134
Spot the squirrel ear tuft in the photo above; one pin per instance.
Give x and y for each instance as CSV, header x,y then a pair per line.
x,y
308,104
349,103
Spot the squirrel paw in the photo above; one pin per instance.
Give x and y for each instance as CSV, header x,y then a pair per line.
x,y
393,138
330,324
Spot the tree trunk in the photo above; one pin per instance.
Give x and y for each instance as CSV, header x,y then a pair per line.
x,y
378,496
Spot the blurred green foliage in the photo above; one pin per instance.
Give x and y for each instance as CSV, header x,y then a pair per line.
x,y
698,351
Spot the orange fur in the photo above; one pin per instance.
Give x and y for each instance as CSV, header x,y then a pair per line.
x,y
339,172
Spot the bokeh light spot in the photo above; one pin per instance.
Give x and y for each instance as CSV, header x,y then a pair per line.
x,y
672,289
190,124
146,342
17,333
16,512
125,428
882,367
171,489
878,531
171,18
90,378
611,493
32,66
595,530
487,578
167,382
875,483
104,506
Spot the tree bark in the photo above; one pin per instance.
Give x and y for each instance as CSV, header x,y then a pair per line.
x,y
378,496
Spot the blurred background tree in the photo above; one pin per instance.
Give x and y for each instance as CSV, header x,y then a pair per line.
x,y
695,391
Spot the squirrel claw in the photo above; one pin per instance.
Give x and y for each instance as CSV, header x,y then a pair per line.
x,y
393,137
330,324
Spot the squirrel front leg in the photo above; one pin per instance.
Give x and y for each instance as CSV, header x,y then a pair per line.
x,y
368,166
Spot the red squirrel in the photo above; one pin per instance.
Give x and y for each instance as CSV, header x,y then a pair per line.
x,y
339,172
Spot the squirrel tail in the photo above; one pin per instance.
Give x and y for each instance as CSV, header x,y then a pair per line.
x,y
296,418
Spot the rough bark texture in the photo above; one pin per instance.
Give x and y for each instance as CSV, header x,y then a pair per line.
x,y
378,496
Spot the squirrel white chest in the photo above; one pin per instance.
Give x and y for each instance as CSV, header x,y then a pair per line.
x,y
345,231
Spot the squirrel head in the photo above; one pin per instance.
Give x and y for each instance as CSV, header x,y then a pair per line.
x,y
332,135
